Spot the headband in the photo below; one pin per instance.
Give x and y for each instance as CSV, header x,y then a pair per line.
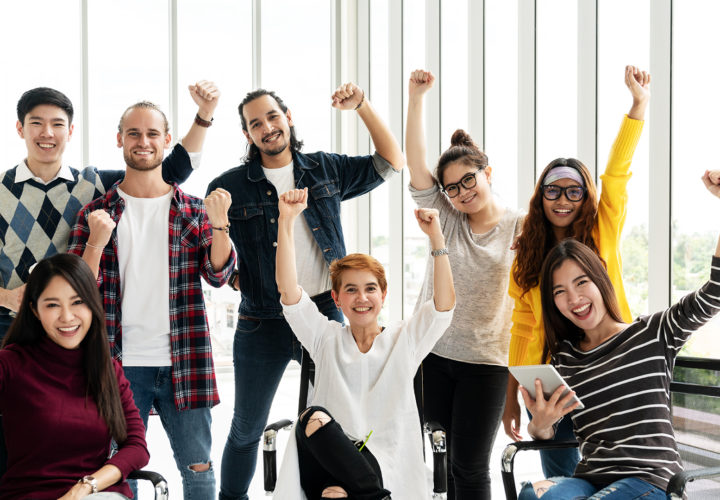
x,y
563,172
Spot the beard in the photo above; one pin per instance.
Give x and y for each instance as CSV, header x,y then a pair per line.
x,y
274,149
152,162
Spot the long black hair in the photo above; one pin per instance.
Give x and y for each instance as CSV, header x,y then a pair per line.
x,y
26,329
557,327
252,150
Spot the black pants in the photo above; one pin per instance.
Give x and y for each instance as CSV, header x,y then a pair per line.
x,y
468,401
329,458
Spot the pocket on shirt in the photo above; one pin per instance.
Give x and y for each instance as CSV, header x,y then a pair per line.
x,y
327,198
245,222
190,234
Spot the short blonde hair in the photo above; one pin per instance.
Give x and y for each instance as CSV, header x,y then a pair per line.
x,y
360,262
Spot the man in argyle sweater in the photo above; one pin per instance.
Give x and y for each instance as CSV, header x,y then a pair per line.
x,y
40,197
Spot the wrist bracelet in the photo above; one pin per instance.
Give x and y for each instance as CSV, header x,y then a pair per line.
x,y
202,122
362,100
225,228
439,252
93,246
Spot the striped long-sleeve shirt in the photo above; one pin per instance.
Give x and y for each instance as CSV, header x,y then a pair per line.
x,y
625,429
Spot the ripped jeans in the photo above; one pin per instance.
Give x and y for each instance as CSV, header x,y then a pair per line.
x,y
573,488
188,430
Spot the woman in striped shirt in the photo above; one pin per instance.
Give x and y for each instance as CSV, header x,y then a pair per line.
x,y
620,371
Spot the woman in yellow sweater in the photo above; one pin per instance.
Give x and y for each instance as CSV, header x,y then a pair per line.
x,y
565,205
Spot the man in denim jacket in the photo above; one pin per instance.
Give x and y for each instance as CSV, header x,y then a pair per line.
x,y
264,342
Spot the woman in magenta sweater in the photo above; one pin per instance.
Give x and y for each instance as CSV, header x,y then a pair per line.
x,y
62,398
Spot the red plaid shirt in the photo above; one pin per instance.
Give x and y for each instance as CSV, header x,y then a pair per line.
x,y
190,239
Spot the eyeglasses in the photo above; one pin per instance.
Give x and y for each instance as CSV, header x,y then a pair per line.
x,y
552,192
468,181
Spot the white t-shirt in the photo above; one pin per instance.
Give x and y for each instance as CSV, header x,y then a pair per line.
x,y
312,270
143,239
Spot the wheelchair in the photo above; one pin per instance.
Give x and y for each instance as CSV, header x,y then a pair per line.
x,y
695,396
435,433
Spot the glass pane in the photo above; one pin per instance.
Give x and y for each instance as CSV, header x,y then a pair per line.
x,y
229,25
379,92
415,247
632,19
124,68
556,94
454,69
501,97
693,240
296,63
26,37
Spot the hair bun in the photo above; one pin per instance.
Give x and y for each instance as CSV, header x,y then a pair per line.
x,y
462,138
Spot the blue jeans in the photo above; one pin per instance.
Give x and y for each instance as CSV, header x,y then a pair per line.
x,y
261,351
562,462
188,430
573,488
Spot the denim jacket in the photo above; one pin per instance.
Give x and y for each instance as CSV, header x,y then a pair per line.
x,y
330,179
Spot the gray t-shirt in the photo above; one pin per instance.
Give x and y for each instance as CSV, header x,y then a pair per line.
x,y
480,329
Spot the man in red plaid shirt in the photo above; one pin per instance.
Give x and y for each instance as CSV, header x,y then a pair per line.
x,y
148,244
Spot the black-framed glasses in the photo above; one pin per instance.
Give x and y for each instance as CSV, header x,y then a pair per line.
x,y
552,192
468,181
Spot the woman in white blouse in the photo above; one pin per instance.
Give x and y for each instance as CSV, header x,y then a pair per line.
x,y
363,395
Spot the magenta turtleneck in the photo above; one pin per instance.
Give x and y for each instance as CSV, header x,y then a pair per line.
x,y
53,432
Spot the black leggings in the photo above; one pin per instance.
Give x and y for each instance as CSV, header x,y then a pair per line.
x,y
468,401
329,458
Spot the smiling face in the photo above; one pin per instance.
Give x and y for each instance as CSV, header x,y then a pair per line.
x,y
360,297
46,130
63,314
578,298
470,200
268,127
143,138
561,213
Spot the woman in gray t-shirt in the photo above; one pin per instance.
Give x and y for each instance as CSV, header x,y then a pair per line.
x,y
465,376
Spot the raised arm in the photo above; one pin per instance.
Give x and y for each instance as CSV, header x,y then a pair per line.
x,y
443,288
639,84
415,148
217,205
99,230
206,96
349,96
290,205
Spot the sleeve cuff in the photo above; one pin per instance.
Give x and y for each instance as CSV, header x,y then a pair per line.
x,y
382,166
195,158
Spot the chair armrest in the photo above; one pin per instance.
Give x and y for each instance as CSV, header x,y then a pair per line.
x,y
508,459
676,486
270,453
147,475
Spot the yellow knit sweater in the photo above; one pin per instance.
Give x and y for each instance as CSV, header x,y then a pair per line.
x,y
528,336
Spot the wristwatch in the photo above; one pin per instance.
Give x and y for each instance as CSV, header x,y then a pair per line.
x,y
91,481
233,276
439,252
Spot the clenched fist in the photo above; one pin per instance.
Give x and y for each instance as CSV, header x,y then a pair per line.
x,y
217,204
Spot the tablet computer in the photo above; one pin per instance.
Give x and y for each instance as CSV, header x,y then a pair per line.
x,y
549,377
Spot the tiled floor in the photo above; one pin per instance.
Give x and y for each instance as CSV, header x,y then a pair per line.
x,y
284,406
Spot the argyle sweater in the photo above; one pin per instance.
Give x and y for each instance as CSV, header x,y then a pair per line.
x,y
36,218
